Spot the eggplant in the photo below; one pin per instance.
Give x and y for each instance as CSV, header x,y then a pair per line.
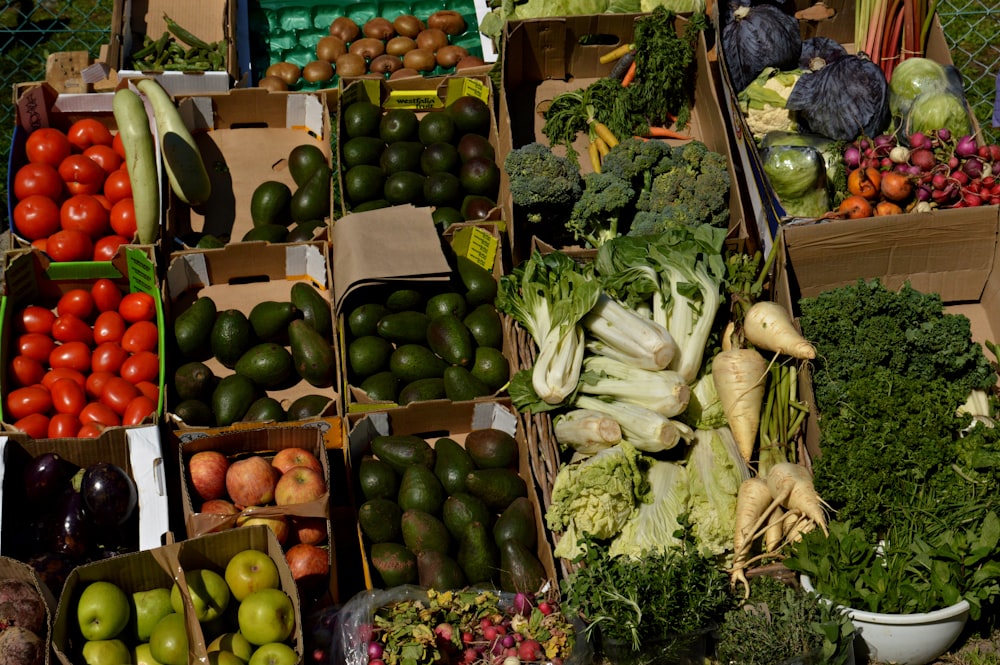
x,y
69,528
109,494
46,476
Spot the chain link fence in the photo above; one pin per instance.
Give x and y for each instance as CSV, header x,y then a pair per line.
x,y
972,30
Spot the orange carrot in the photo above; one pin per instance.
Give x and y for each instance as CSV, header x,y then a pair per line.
x,y
666,133
629,75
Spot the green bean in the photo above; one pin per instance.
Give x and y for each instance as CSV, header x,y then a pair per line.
x,y
183,34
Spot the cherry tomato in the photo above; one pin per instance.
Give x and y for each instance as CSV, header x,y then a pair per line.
x,y
63,425
54,375
36,346
68,396
141,366
36,319
108,357
42,179
91,430
117,186
83,212
103,200
138,306
82,175
107,246
117,394
47,145
109,327
35,425
116,143
23,402
123,218
141,336
75,355
88,132
98,413
140,408
96,382
36,217
42,244
106,295
71,328
70,245
25,371
149,389
78,301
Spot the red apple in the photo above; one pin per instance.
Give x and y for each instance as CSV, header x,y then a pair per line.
x,y
207,470
299,485
286,458
219,507
277,523
309,530
309,565
251,481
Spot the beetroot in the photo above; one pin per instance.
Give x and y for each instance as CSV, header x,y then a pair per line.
x,y
20,646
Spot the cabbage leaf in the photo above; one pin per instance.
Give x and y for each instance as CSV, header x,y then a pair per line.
x,y
715,472
653,527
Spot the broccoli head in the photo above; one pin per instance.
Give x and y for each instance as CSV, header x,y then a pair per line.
x,y
542,182
638,160
605,200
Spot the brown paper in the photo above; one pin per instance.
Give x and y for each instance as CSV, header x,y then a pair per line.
x,y
169,560
202,523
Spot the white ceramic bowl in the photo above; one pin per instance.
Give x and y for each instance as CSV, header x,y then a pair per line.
x,y
906,639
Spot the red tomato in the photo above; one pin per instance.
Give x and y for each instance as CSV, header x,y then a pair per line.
x,y
140,408
36,217
36,346
117,144
107,246
141,336
63,425
42,179
117,186
42,244
109,327
138,306
75,355
149,389
96,382
23,402
88,132
35,425
54,375
106,158
90,431
97,413
108,357
106,295
36,319
141,366
117,394
78,301
123,218
47,145
68,396
82,175
71,328
103,200
83,212
70,245
25,371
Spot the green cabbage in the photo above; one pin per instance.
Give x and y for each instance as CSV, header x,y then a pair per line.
x,y
931,111
798,176
836,176
652,527
715,472
912,77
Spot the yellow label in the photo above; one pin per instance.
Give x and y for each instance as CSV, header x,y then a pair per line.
x,y
476,244
461,87
418,100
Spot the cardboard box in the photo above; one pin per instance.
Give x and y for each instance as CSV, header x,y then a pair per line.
x,y
433,422
163,567
767,213
238,277
245,137
30,279
544,57
39,105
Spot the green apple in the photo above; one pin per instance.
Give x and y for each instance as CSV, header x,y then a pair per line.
x,y
250,570
142,655
106,652
224,658
266,615
168,643
103,611
148,607
274,653
233,642
209,594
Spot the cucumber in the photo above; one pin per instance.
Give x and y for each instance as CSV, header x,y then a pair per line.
x,y
181,157
140,162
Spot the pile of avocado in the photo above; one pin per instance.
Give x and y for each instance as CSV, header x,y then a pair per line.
x,y
448,516
442,159
408,345
278,345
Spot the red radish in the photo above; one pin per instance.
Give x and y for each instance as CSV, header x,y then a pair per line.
x,y
530,650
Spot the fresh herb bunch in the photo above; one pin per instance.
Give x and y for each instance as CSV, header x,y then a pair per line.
x,y
779,622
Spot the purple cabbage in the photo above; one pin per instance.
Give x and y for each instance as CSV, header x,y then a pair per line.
x,y
754,37
820,51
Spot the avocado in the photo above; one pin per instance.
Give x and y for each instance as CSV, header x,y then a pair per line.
x,y
476,207
491,367
267,364
419,489
373,204
401,156
380,520
439,571
269,203
422,390
377,479
361,118
312,198
471,115
520,569
303,160
270,318
440,158
496,487
478,555
194,413
403,299
485,325
448,302
396,564
306,231
480,176
404,187
232,398
368,355
312,356
265,409
399,125
443,189
480,285
193,328
452,463
363,319
401,451
423,531
411,362
308,406
231,336
315,308
362,183
448,337
436,128
381,387
362,150
461,386
491,448
474,145
461,509
266,233
406,327
194,380
517,522
445,216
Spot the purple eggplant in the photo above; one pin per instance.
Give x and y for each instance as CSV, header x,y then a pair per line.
x,y
109,494
46,476
69,528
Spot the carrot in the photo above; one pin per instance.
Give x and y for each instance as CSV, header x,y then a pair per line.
x,y
740,375
753,506
792,484
604,133
595,156
666,133
629,75
619,52
768,325
602,146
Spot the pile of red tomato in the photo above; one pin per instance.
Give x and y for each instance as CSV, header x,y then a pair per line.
x,y
88,363
74,196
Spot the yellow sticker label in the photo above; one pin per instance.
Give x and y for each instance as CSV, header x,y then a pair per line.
x,y
418,100
462,87
476,244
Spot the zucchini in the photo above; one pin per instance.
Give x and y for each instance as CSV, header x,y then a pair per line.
x,y
140,162
181,157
